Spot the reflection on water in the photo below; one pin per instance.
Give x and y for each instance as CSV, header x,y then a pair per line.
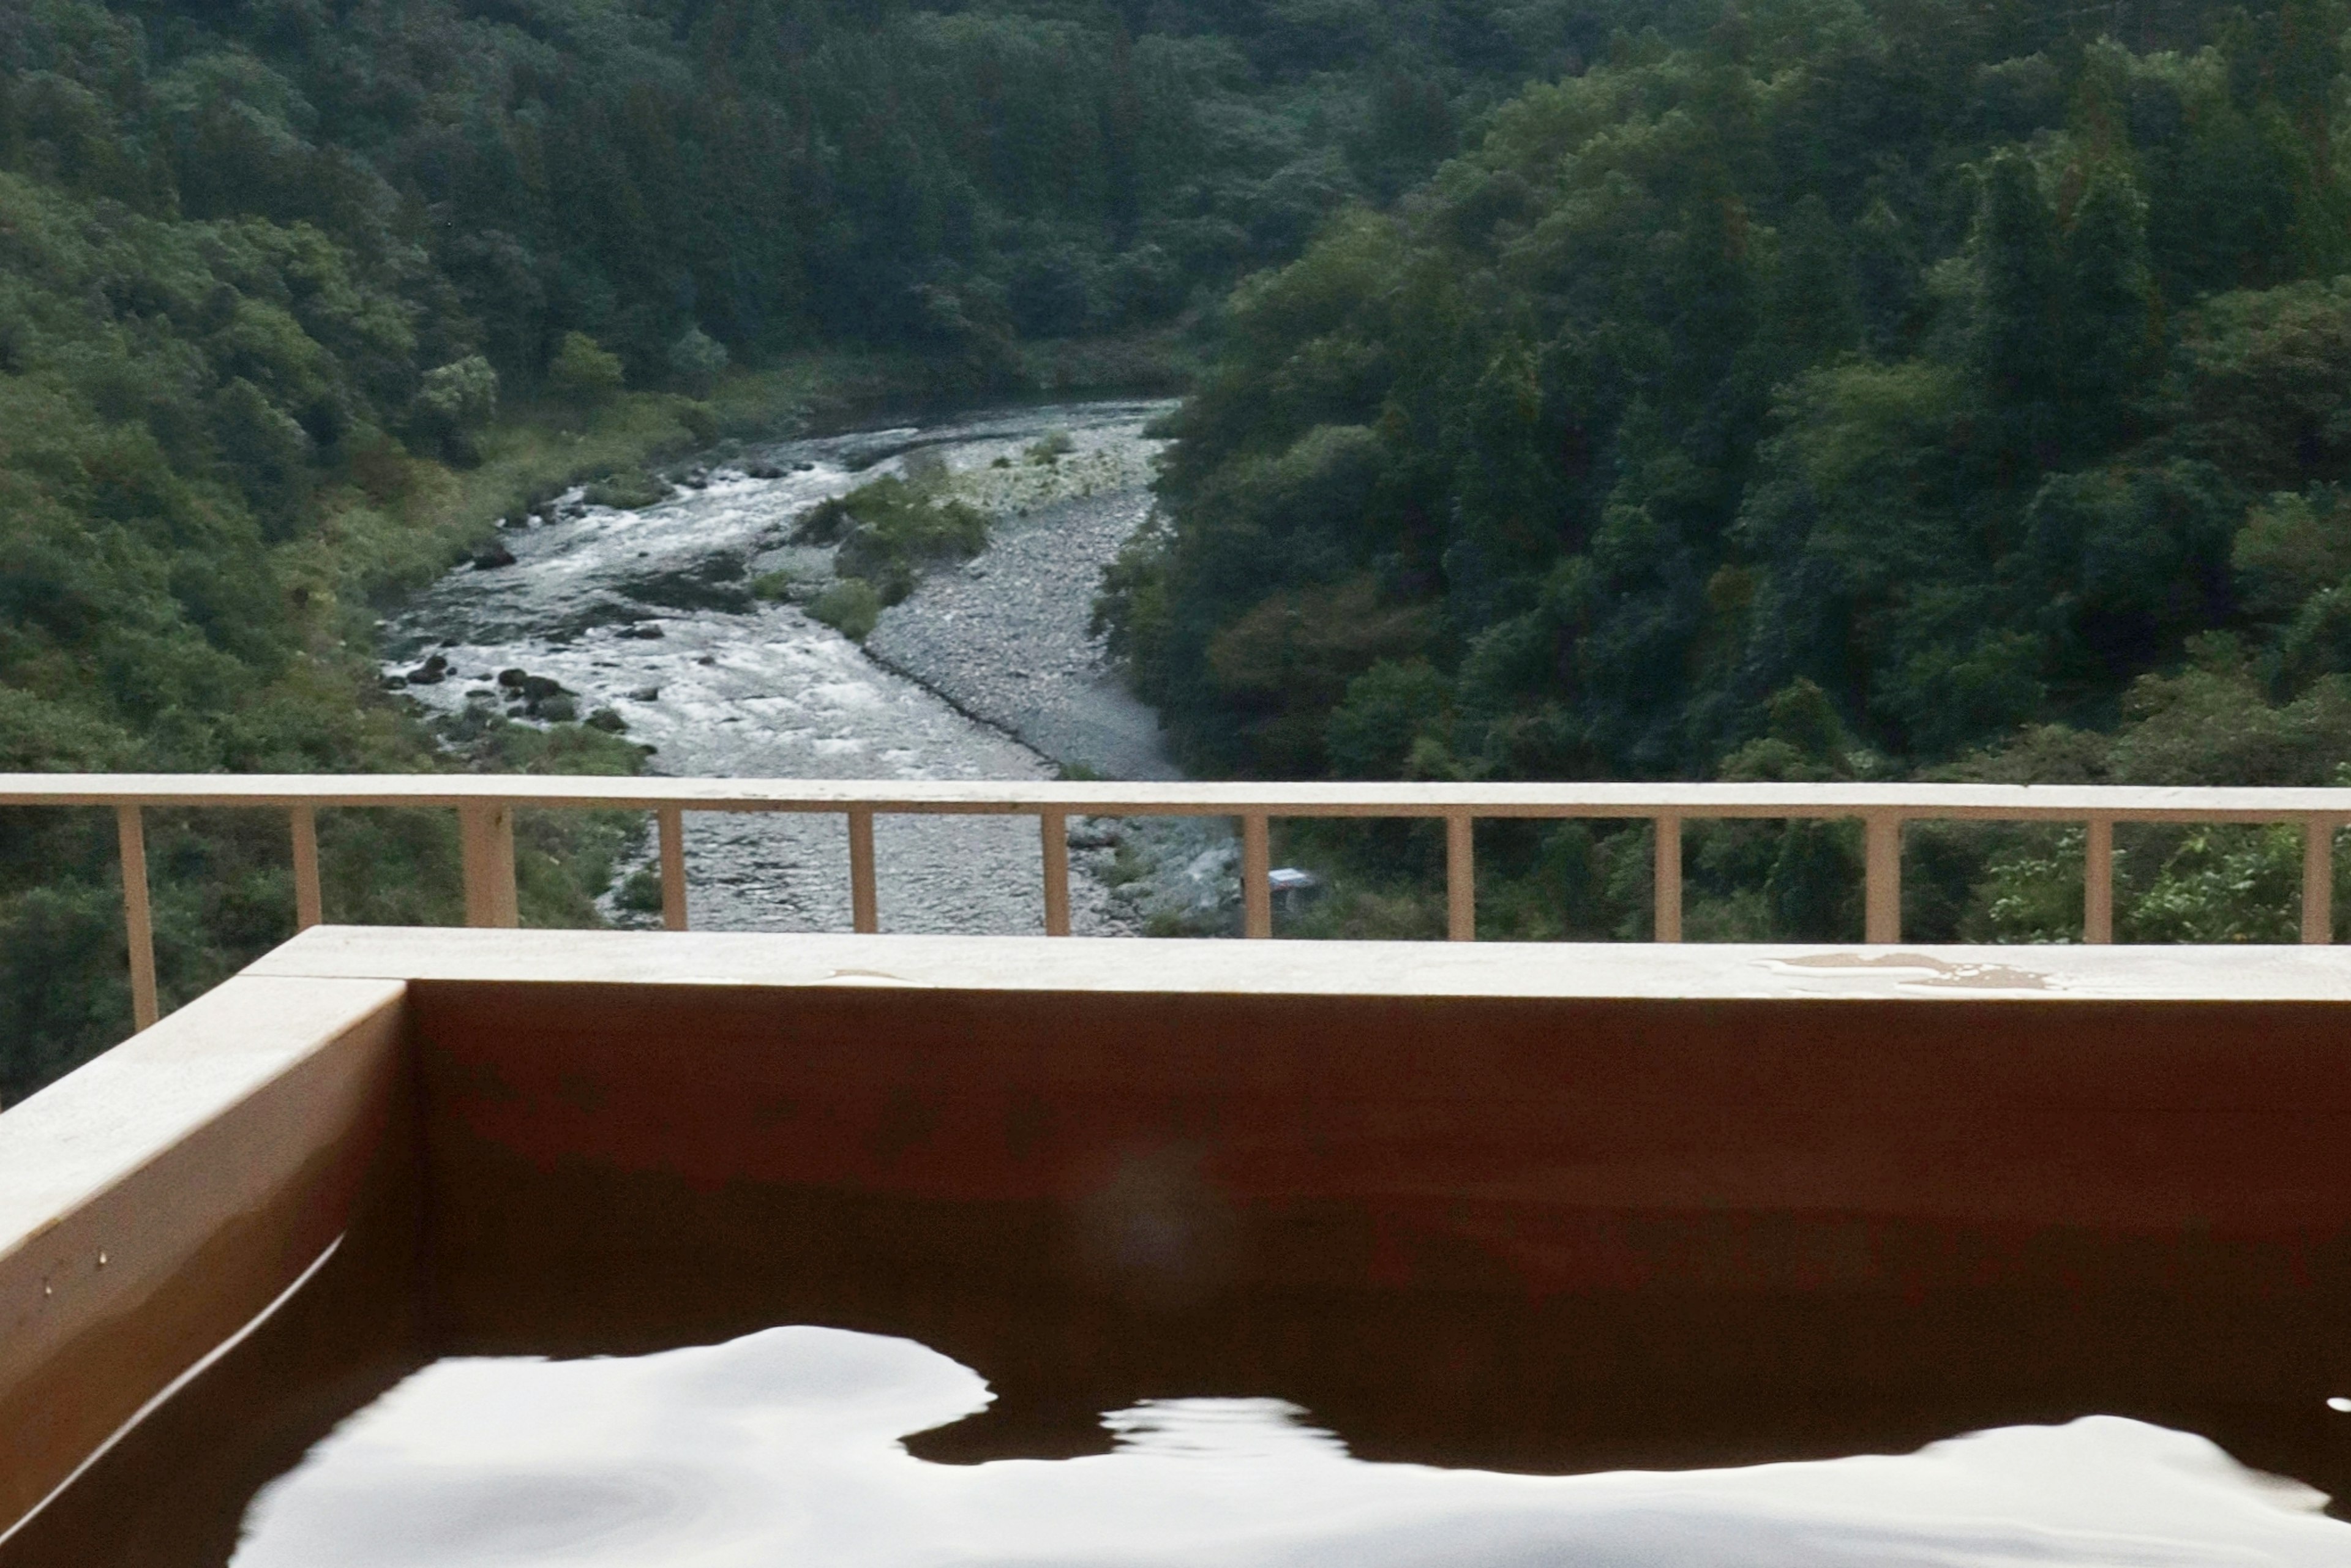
x,y
783,1447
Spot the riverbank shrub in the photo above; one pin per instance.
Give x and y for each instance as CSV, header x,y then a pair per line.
x,y
640,892
454,404
628,489
581,371
886,532
851,606
695,358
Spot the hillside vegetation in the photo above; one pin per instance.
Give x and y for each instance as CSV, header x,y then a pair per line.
x,y
686,180
1851,390
298,295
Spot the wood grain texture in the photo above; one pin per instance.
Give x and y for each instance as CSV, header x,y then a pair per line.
x,y
2009,802
153,1201
1924,974
2096,1117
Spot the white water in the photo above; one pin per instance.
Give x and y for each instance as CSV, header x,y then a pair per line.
x,y
750,689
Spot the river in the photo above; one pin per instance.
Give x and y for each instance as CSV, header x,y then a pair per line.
x,y
649,613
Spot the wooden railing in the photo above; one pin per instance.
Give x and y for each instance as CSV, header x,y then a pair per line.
x,y
486,805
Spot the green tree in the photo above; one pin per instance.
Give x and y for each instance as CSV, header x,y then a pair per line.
x,y
581,372
695,358
452,403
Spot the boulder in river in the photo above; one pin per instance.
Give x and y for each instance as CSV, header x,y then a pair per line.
x,y
492,556
608,721
645,695
430,672
512,677
644,630
762,471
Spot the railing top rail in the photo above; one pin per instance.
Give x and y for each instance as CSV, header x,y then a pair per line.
x,y
2010,803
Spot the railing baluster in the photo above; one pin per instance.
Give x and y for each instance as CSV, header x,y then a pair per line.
x,y
2318,880
671,821
1668,889
1054,828
1460,877
863,913
1256,876
308,907
138,919
1881,896
486,831
2098,882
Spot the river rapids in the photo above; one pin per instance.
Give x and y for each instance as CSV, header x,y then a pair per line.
x,y
985,672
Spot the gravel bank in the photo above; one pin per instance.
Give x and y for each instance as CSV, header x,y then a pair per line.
x,y
1004,637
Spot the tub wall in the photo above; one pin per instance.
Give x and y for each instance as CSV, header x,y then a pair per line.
x,y
1654,1206
154,1202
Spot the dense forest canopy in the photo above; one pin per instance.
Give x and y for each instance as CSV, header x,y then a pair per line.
x,y
1962,366
1846,389
767,173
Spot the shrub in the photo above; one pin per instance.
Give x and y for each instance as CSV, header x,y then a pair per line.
x,y
695,358
849,607
627,489
581,372
1396,715
889,529
641,892
456,401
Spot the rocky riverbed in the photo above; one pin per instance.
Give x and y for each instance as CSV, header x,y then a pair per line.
x,y
645,621
1005,637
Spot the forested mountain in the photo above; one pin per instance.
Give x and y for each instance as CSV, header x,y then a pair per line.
x,y
276,276
1851,389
